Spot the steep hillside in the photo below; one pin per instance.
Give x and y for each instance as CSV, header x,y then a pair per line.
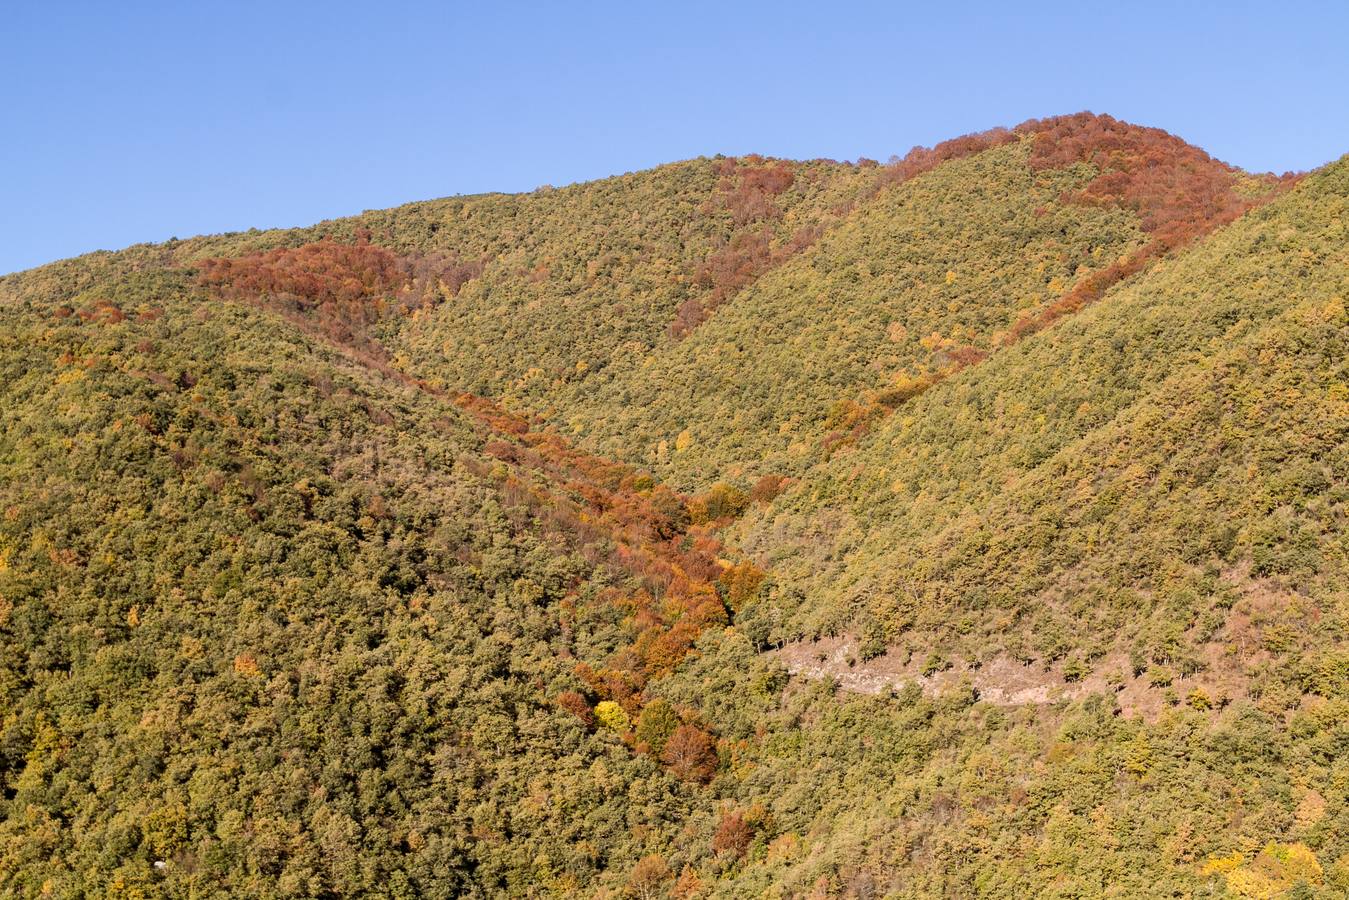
x,y
278,623
1159,475
950,255
356,560
576,280
930,272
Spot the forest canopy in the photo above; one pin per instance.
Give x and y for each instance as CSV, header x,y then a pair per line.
x,y
965,525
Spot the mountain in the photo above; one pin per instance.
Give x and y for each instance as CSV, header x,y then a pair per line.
x,y
966,525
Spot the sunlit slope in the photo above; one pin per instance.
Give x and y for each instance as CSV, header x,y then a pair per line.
x,y
728,318
576,280
1119,480
940,265
273,624
291,606
957,253
548,287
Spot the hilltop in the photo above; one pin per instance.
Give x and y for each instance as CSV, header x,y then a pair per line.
x,y
969,524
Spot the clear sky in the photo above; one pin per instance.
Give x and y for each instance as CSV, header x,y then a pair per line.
x,y
135,121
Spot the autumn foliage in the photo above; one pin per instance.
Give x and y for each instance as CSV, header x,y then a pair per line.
x,y
691,754
733,834
925,159
322,272
608,512
741,583
575,704
748,186
647,877
613,514
1179,192
721,502
734,267
345,287
767,488
746,189
677,580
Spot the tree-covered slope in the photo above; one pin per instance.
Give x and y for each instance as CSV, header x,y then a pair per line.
x,y
1119,481
352,560
945,257
576,280
932,268
274,623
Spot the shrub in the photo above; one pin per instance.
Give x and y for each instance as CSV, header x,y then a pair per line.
x,y
575,704
691,754
1199,699
733,834
721,502
611,716
1075,670
934,664
655,725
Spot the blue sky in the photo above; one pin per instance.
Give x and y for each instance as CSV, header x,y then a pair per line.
x,y
133,121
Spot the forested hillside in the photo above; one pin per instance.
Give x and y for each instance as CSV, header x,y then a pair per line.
x,y
1118,483
525,545
276,625
950,254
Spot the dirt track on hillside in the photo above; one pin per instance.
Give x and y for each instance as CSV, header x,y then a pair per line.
x,y
1003,680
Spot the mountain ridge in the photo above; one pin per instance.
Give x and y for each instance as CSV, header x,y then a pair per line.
x,y
444,550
